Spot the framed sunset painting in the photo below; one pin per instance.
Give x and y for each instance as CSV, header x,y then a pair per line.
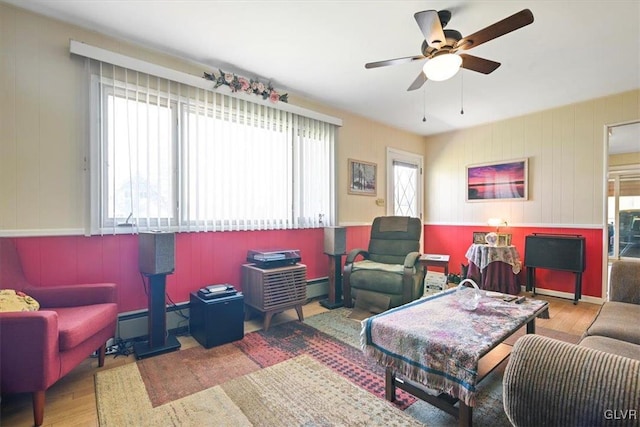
x,y
498,181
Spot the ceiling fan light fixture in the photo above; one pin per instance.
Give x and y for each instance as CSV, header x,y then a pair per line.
x,y
442,67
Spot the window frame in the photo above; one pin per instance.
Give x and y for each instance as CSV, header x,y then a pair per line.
x,y
99,221
394,155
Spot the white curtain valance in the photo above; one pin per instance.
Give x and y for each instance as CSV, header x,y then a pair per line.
x,y
107,56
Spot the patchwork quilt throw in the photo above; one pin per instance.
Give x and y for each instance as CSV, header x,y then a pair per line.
x,y
438,343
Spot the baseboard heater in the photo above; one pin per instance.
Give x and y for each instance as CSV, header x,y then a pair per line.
x,y
133,325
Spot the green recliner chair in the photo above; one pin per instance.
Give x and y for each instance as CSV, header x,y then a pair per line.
x,y
390,268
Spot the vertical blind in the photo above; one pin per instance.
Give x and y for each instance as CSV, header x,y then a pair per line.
x,y
170,156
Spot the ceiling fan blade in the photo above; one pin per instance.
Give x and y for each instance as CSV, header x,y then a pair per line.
x,y
500,28
429,23
481,65
418,82
393,61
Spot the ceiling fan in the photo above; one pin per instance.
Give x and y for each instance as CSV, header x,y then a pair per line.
x,y
441,46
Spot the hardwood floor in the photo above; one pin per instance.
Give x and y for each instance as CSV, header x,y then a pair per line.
x,y
72,402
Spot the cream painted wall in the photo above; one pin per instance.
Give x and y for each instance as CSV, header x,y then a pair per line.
x,y
44,136
565,148
363,139
44,142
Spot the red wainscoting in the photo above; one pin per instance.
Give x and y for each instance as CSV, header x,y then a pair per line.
x,y
455,240
206,258
201,258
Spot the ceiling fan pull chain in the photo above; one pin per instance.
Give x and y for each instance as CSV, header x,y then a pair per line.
x,y
461,92
424,104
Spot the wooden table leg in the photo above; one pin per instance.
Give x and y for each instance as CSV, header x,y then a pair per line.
x,y
267,320
465,418
389,385
531,326
299,311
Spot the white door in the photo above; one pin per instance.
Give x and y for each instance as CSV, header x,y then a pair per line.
x,y
404,183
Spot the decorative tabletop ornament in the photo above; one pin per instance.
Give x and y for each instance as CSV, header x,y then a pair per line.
x,y
469,299
491,238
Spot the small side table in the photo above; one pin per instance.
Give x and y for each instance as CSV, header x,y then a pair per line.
x,y
436,260
494,268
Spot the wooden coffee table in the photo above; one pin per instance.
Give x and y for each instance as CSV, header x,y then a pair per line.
x,y
421,338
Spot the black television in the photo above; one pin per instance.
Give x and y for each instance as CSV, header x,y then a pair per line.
x,y
555,252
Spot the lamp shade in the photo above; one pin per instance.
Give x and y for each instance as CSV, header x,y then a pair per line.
x,y
497,222
442,67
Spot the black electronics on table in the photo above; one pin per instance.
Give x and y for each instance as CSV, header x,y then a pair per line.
x,y
216,291
274,258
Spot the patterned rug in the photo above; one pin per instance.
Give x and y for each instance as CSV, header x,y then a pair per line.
x,y
296,392
237,382
175,375
488,412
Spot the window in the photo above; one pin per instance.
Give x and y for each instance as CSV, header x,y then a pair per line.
x,y
623,212
404,183
166,155
137,183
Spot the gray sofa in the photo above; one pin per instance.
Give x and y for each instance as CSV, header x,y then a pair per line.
x,y
596,382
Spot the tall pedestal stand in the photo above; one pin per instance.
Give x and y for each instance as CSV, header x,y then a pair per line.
x,y
159,340
335,283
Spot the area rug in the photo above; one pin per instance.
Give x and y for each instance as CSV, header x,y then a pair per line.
x,y
489,411
179,374
295,338
297,392
197,385
176,375
338,324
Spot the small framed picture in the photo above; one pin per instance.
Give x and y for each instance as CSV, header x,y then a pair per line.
x,y
504,240
479,238
362,178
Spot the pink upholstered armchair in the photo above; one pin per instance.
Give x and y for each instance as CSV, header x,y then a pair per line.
x,y
37,348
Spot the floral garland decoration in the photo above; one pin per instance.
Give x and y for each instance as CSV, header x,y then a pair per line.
x,y
241,84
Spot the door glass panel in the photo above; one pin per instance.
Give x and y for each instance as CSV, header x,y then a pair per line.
x,y
405,180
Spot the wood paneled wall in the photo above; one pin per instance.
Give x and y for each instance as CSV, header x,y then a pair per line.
x,y
565,148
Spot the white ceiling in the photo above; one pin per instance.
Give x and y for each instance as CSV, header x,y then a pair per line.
x,y
574,50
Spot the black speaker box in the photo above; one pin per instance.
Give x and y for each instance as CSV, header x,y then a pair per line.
x,y
335,240
156,253
216,321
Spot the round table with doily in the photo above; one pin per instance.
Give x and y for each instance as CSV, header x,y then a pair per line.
x,y
494,268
